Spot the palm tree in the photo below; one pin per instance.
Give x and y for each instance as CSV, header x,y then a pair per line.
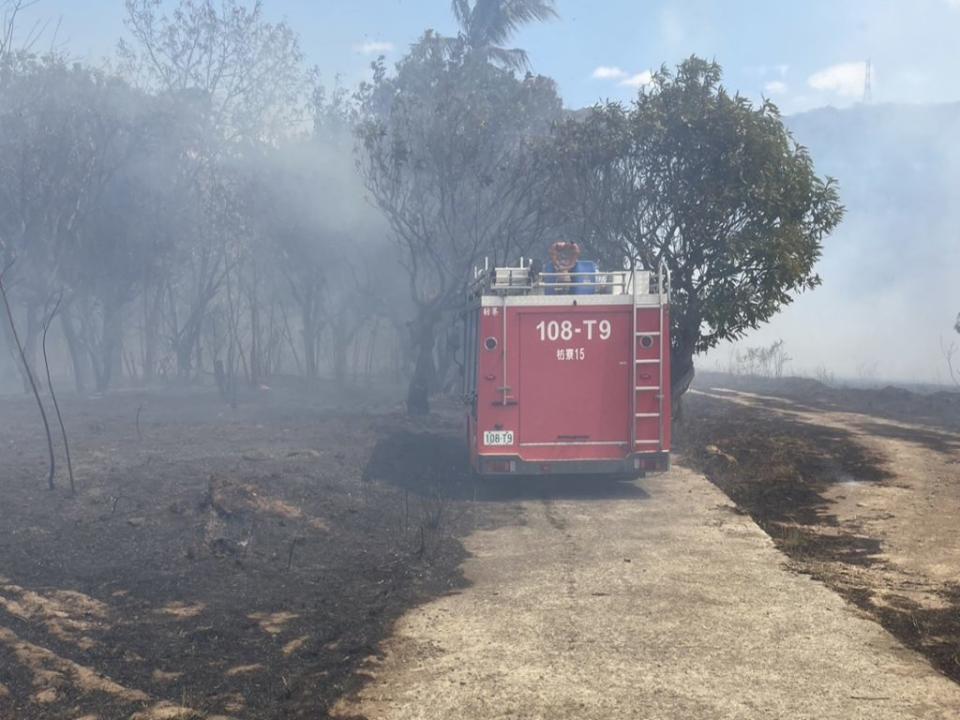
x,y
485,25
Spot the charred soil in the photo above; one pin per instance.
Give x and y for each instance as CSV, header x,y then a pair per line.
x,y
216,562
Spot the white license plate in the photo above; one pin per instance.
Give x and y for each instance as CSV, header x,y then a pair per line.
x,y
498,437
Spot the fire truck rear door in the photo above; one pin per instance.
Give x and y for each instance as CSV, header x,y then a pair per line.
x,y
575,376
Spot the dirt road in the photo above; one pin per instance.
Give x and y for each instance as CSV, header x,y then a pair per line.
x,y
859,487
914,512
650,600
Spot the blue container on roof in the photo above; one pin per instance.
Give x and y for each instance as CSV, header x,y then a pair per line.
x,y
582,279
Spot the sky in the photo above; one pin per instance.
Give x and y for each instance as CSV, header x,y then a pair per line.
x,y
800,54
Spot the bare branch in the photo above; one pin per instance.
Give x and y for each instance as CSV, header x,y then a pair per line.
x,y
53,395
33,384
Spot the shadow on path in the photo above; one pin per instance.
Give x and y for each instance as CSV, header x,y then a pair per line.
x,y
437,463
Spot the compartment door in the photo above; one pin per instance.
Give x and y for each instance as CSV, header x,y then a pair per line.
x,y
575,376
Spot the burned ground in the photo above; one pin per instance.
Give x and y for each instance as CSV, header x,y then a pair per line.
x,y
857,487
230,563
227,563
248,563
935,407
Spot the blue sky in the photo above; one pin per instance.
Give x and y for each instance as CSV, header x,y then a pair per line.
x,y
800,54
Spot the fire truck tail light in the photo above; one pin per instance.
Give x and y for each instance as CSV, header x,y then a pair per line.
x,y
490,343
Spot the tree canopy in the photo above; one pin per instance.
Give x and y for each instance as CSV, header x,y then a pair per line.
x,y
713,186
449,156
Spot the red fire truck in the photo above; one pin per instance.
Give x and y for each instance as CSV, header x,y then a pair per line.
x,y
567,369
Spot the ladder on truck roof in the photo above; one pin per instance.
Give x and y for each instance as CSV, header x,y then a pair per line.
x,y
663,297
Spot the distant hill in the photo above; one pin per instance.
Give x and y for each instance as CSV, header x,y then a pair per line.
x,y
887,157
891,272
899,172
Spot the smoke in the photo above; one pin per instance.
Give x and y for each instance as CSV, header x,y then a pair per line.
x,y
891,272
196,227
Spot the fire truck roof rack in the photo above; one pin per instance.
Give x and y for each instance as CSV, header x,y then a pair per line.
x,y
526,280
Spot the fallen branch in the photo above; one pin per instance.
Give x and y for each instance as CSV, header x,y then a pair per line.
x,y
293,546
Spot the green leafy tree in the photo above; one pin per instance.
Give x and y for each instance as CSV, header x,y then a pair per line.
x,y
706,182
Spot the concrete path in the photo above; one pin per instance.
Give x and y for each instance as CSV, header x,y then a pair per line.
x,y
654,600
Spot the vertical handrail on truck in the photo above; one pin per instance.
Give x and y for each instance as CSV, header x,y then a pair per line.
x,y
633,363
503,342
663,272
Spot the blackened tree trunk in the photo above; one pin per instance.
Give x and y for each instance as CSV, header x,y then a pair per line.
x,y
343,332
309,334
684,335
424,331
103,344
30,378
10,342
112,349
339,349
31,345
682,372
152,316
53,395
78,357
448,367
253,300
